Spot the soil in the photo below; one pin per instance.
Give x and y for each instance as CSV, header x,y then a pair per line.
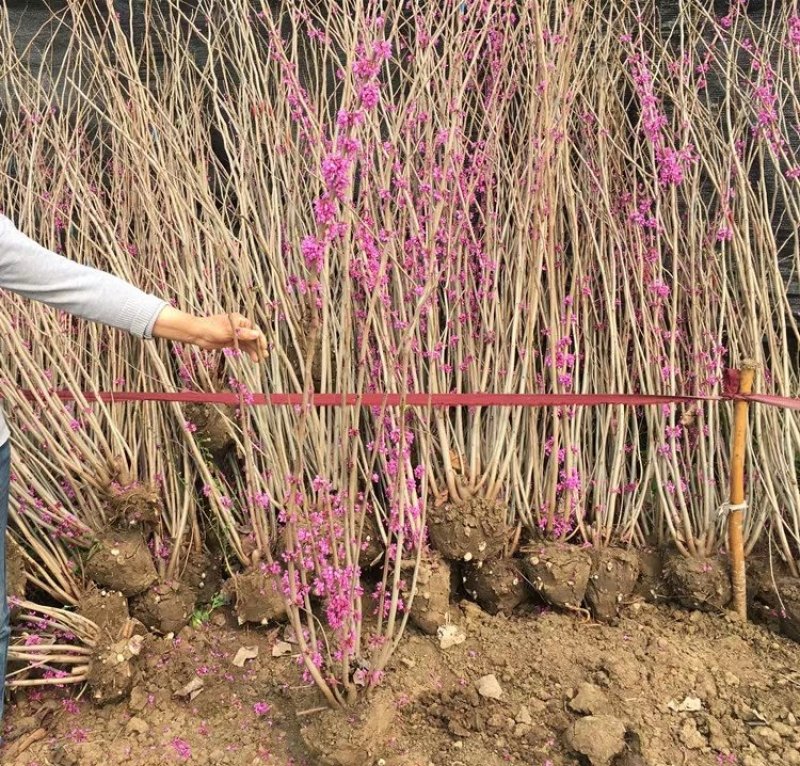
x,y
121,561
651,585
371,543
558,573
255,598
662,687
106,609
498,585
16,577
135,505
430,608
784,599
165,607
612,580
112,670
698,583
203,574
213,426
469,530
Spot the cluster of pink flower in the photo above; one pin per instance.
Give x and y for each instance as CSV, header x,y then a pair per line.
x,y
671,162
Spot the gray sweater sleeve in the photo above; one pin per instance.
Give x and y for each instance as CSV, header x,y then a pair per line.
x,y
34,272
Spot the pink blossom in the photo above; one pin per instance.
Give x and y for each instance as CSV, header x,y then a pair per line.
x,y
658,287
313,251
335,170
369,95
382,49
793,34
182,748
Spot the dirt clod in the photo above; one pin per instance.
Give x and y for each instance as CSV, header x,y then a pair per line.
x,y
599,738
213,426
784,598
135,505
108,609
16,576
559,573
471,530
121,561
165,607
497,585
371,543
697,583
358,740
589,700
650,585
112,670
611,581
255,597
203,574
431,605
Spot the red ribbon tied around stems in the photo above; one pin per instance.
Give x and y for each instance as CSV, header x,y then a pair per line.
x,y
730,390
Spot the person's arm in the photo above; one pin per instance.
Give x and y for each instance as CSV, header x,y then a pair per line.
x,y
30,270
34,272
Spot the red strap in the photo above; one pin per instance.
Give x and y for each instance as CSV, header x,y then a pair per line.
x,y
412,400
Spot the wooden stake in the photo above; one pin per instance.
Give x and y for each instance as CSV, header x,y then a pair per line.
x,y
736,513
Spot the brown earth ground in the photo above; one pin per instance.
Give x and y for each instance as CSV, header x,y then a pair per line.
x,y
682,687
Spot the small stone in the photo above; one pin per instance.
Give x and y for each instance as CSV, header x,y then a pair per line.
x,y
522,730
589,700
524,716
137,726
783,729
450,635
687,705
791,757
138,699
691,738
599,738
489,687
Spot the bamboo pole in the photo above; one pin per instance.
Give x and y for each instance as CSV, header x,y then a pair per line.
x,y
736,497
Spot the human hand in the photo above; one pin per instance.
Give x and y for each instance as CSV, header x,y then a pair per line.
x,y
212,332
232,331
